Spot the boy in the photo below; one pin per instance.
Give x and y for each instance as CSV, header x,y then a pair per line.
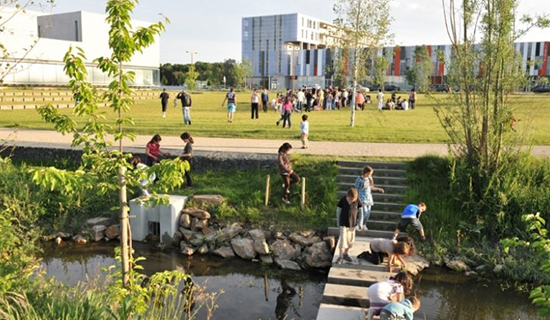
x,y
349,207
411,215
401,310
304,127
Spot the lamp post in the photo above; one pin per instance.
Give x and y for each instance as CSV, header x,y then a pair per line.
x,y
192,63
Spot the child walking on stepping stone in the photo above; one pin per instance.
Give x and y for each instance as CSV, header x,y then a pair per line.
x,y
347,211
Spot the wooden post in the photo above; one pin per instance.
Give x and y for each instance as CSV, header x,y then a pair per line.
x,y
267,183
303,192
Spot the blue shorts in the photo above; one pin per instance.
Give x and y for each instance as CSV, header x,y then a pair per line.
x,y
231,108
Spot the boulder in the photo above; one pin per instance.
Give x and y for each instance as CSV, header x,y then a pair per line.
x,y
98,221
330,241
187,234
470,273
279,235
176,238
197,240
62,235
79,239
416,263
196,212
187,250
257,234
266,259
261,247
211,237
113,231
203,249
296,238
287,264
224,252
313,240
457,265
208,199
58,240
283,250
207,230
307,233
98,232
231,232
185,221
318,255
244,248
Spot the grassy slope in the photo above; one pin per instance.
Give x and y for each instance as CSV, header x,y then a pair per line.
x,y
209,119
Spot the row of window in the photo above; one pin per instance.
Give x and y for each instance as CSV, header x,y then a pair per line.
x,y
312,24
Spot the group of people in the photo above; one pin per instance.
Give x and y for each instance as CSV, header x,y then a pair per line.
x,y
396,102
185,99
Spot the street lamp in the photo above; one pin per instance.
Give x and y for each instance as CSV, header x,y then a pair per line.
x,y
192,55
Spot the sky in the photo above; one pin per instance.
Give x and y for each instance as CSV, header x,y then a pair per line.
x,y
212,28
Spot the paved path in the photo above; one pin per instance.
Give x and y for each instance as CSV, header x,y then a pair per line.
x,y
44,138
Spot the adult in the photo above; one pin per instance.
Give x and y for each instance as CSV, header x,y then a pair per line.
x,y
380,100
186,103
231,99
265,99
164,97
321,97
345,100
360,100
287,112
254,104
301,97
412,98
309,100
404,105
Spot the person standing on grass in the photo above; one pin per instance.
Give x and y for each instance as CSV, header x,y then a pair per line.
x,y
412,98
254,103
304,128
286,112
365,185
153,152
347,210
164,98
265,100
187,155
186,103
380,100
285,169
309,100
360,101
411,215
231,99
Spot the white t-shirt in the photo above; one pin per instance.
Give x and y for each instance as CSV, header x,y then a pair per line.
x,y
405,105
304,126
380,293
255,98
301,96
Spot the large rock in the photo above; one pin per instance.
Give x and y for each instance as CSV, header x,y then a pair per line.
x,y
98,221
203,249
187,234
307,233
185,221
79,239
296,238
113,231
283,250
62,235
257,234
98,232
211,237
197,240
244,248
330,241
187,250
208,199
266,259
231,232
198,224
457,265
224,252
176,238
313,240
196,212
261,247
287,264
416,263
318,255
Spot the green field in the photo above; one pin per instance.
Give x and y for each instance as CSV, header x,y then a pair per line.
x,y
209,119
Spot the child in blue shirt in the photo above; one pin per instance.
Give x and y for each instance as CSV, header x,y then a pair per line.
x,y
401,310
411,215
365,186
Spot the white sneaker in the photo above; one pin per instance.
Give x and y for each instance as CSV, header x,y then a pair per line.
x,y
286,201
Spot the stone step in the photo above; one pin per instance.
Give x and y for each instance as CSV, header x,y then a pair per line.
x,y
360,245
351,296
334,231
336,312
394,181
388,188
385,215
356,277
377,173
374,165
381,225
380,197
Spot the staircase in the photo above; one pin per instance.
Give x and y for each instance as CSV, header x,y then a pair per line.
x,y
392,177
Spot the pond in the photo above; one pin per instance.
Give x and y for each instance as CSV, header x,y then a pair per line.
x,y
445,295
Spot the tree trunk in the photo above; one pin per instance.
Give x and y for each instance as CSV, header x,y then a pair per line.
x,y
124,226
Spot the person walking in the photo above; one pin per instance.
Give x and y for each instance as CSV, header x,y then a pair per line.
x,y
285,169
254,104
412,98
186,103
187,155
231,99
347,210
164,98
365,186
265,100
287,109
380,100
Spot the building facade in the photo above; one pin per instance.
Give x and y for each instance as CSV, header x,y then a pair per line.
x,y
36,44
294,50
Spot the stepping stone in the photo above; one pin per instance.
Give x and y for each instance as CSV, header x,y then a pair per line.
x,y
360,245
356,277
335,312
350,296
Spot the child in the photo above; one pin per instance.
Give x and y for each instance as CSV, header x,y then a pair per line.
x,y
187,155
304,127
393,290
136,163
152,150
365,185
285,168
411,215
231,99
395,250
347,211
401,310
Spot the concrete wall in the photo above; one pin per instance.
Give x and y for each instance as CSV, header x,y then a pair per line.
x,y
65,26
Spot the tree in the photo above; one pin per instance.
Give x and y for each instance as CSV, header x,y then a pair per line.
x,y
102,168
191,78
242,72
381,69
419,75
363,27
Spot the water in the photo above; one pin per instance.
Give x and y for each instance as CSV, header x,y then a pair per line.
x,y
445,295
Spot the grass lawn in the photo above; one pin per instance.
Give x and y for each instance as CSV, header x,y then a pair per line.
x,y
209,119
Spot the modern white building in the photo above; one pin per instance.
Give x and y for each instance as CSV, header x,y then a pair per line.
x,y
36,44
